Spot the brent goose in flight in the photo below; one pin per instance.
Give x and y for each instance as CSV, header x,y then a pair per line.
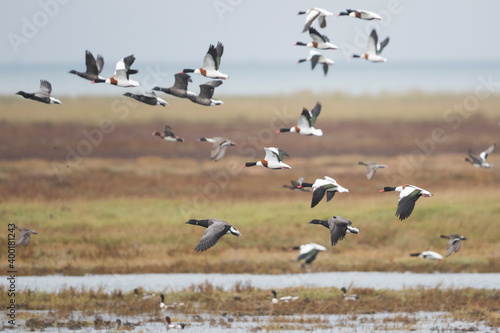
x,y
206,93
215,230
147,98
42,95
94,67
179,88
339,226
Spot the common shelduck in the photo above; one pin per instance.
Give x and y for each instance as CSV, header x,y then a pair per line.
x,y
315,57
126,325
272,160
149,98
211,63
319,41
429,255
122,73
373,49
308,252
179,88
322,186
295,185
24,235
285,299
219,146
94,67
454,243
351,297
168,135
215,230
164,306
206,93
339,226
42,95
371,167
361,14
305,124
408,196
315,13
170,324
480,162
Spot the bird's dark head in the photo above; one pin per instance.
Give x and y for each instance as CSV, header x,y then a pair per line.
x,y
72,71
202,139
162,297
22,93
301,13
249,164
315,222
343,14
355,56
283,130
192,221
187,70
294,248
98,81
300,44
156,88
301,60
128,94
272,293
388,189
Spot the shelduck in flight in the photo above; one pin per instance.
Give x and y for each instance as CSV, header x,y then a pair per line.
x,y
322,186
305,124
374,48
315,57
272,160
429,255
211,63
315,13
122,73
408,196
319,41
361,14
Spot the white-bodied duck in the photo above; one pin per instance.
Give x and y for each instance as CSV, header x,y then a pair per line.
x,y
305,124
122,73
361,14
317,58
319,41
322,186
308,252
170,324
351,297
429,255
339,226
408,196
211,63
374,48
285,299
272,160
313,14
480,162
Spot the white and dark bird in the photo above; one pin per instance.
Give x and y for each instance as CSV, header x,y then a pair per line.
x,y
339,226
215,230
24,235
211,63
149,98
371,167
180,87
373,49
121,77
480,162
408,196
272,160
171,325
313,14
319,41
94,67
351,297
285,299
295,185
321,186
306,122
429,255
42,95
361,14
206,94
454,243
164,306
317,58
168,135
308,252
219,146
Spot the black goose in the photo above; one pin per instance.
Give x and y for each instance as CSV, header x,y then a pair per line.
x,y
42,95
215,230
94,67
339,226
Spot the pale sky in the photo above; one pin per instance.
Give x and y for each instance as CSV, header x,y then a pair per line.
x,y
251,30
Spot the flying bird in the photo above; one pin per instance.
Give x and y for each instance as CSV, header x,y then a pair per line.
x,y
361,14
296,185
480,162
147,98
215,230
313,14
42,95
211,63
319,41
429,255
285,299
122,73
168,135
371,167
317,58
374,48
408,196
206,93
305,124
24,236
322,186
454,243
308,252
272,160
219,146
339,226
179,89
94,67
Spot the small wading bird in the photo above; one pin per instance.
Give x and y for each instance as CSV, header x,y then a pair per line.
x,y
147,98
339,226
308,252
353,297
211,63
322,186
215,230
272,160
313,14
429,255
219,146
305,124
319,41
315,57
480,162
42,95
168,135
371,167
24,236
285,299
454,243
94,68
206,93
361,14
408,196
296,185
170,324
179,88
373,49
122,73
